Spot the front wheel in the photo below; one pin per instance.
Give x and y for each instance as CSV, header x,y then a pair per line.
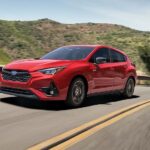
x,y
76,93
129,88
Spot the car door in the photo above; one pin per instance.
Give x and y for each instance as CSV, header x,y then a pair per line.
x,y
119,65
102,74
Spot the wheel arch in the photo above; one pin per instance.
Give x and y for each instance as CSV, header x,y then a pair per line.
x,y
83,78
132,77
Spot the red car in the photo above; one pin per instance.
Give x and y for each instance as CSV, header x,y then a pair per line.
x,y
70,73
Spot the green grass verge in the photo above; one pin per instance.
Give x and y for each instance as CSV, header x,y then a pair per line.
x,y
4,58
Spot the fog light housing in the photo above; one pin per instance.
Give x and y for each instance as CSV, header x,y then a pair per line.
x,y
51,90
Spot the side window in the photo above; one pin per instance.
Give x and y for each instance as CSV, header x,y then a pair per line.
x,y
103,52
116,56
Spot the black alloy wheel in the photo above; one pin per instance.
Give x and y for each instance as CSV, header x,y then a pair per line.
x,y
129,89
77,93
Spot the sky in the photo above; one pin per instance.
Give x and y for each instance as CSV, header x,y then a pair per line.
x,y
130,13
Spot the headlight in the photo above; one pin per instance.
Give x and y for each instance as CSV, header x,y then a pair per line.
x,y
52,71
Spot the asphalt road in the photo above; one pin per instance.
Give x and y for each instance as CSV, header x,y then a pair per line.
x,y
25,122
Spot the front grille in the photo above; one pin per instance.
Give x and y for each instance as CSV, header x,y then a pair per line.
x,y
15,75
16,91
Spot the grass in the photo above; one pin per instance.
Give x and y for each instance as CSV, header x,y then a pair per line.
x,y
4,58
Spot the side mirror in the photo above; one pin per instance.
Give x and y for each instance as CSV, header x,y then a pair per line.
x,y
100,60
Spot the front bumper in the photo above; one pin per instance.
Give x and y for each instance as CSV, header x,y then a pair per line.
x,y
18,92
36,87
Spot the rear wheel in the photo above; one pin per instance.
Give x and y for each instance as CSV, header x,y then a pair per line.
x,y
77,93
129,89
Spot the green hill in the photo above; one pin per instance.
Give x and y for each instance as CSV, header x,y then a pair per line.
x,y
26,39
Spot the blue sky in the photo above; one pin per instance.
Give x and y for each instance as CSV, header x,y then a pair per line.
x,y
131,13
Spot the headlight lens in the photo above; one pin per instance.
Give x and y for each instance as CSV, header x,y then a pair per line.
x,y
52,71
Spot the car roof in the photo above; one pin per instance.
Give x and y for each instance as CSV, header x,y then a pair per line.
x,y
83,45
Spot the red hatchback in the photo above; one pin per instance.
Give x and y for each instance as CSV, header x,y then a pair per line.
x,y
70,73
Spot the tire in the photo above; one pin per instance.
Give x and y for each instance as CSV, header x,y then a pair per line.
x,y
129,88
76,93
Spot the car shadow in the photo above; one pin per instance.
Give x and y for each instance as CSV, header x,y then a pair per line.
x,y
59,105
106,99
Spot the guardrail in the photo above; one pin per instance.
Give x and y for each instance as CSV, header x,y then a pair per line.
x,y
143,80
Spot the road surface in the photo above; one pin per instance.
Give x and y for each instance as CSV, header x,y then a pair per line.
x,y
24,122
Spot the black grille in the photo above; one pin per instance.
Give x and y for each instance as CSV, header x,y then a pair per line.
x,y
16,91
15,75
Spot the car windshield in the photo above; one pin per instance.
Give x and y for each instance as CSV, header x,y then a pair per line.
x,y
69,53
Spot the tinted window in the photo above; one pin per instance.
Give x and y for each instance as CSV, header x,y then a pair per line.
x,y
103,52
69,53
116,56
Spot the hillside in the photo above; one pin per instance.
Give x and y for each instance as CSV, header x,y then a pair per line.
x,y
26,39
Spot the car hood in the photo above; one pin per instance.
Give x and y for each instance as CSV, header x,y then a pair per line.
x,y
33,65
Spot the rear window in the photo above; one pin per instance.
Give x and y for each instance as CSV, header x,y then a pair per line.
x,y
116,56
